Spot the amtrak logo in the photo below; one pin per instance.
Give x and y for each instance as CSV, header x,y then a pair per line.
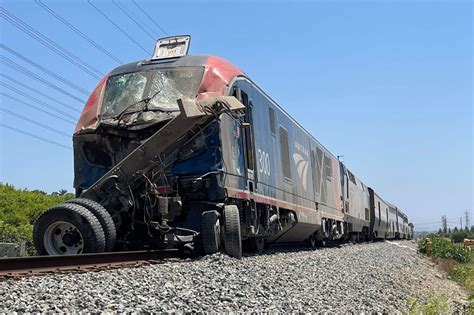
x,y
301,168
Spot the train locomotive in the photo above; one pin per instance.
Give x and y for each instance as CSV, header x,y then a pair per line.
x,y
183,151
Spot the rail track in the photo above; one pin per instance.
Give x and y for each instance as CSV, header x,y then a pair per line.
x,y
36,265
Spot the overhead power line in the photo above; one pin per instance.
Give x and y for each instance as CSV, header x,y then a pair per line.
x,y
45,70
10,63
34,136
44,40
57,110
116,26
132,19
37,108
149,17
9,112
77,31
36,91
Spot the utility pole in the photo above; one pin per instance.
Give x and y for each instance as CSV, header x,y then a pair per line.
x,y
467,219
444,224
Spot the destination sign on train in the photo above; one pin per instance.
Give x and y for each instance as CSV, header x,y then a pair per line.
x,y
171,47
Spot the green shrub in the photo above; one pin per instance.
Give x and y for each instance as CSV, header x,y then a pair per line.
x,y
431,306
463,273
443,248
19,209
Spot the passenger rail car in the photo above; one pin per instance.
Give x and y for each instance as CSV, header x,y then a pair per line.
x,y
253,175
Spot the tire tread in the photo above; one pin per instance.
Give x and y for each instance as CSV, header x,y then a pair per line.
x,y
93,226
104,218
232,233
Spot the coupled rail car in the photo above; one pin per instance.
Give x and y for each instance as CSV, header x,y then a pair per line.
x,y
187,152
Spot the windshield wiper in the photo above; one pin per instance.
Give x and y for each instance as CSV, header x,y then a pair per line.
x,y
146,100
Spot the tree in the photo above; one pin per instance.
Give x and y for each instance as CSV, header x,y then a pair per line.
x,y
440,231
472,229
449,231
455,229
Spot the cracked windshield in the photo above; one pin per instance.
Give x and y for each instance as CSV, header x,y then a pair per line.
x,y
165,86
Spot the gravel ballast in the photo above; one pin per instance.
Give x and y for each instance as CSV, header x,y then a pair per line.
x,y
364,277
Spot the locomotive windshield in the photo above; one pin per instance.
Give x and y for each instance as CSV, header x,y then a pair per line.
x,y
162,86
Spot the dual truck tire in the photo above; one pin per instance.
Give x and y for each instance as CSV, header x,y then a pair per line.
x,y
74,227
213,235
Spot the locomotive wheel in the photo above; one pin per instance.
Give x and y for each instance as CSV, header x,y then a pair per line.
x,y
258,244
68,229
104,218
210,232
312,241
232,235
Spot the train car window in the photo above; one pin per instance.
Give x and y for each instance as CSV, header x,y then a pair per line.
x,y
352,177
380,215
327,165
285,153
316,172
271,116
387,215
366,214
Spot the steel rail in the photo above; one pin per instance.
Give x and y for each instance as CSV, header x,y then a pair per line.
x,y
34,265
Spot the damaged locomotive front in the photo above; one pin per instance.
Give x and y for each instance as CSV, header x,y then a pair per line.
x,y
147,154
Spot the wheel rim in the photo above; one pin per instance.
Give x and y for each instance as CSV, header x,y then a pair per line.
x,y
63,238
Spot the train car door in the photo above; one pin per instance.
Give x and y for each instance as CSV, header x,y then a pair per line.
x,y
248,140
344,187
248,147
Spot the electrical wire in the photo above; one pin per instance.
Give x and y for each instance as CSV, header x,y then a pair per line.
x,y
34,136
45,70
13,65
77,31
44,40
117,4
37,123
116,26
38,109
37,100
36,91
149,17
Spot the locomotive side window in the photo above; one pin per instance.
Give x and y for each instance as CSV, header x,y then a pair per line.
x,y
271,114
328,166
285,153
248,130
380,215
316,172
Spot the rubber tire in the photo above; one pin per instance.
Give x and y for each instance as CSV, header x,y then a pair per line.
x,y
210,237
232,234
83,219
104,218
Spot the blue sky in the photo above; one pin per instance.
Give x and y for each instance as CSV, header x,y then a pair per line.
x,y
386,84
